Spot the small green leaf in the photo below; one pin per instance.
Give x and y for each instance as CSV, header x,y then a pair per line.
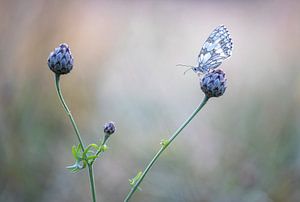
x,y
74,152
95,146
138,176
76,167
78,148
88,149
84,164
73,169
135,179
164,142
79,155
91,157
77,152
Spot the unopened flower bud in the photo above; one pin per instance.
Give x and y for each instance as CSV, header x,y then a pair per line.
x,y
109,128
60,61
213,84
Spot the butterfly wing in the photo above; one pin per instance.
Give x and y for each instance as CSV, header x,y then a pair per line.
x,y
216,48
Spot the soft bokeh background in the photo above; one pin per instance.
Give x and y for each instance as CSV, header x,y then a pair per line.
x,y
243,146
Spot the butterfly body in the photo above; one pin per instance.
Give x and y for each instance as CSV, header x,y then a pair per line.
x,y
216,48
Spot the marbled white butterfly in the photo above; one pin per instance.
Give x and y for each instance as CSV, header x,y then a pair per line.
x,y
216,48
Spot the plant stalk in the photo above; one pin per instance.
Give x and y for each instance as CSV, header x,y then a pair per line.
x,y
100,150
58,89
92,182
170,140
57,76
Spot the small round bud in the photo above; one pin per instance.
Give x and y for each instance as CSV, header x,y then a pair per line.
x,y
60,61
109,128
213,84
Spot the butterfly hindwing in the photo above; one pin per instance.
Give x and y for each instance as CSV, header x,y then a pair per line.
x,y
216,48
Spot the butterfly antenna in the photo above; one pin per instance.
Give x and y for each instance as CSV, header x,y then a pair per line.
x,y
187,70
190,67
184,65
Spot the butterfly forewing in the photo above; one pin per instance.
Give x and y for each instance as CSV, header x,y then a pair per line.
x,y
216,48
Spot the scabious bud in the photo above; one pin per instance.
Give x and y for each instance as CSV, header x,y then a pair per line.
x,y
213,84
109,128
60,61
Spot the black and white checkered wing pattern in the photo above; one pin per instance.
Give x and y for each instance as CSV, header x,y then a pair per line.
x,y
216,48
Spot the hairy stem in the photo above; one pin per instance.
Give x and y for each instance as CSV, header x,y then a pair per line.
x,y
177,132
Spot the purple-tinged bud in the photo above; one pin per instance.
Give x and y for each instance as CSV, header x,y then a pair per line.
x,y
109,128
213,84
60,61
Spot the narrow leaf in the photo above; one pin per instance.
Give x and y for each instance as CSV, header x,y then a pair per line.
x,y
135,179
74,152
91,157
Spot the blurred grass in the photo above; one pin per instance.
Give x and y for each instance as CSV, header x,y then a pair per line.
x,y
244,146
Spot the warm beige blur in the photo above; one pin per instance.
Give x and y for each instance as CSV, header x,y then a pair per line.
x,y
243,147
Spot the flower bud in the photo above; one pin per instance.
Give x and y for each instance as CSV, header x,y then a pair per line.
x,y
213,84
109,128
60,61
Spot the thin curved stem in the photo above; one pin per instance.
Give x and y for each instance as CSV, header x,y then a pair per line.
x,y
92,183
57,76
177,132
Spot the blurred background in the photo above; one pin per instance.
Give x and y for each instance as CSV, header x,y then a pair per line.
x,y
242,147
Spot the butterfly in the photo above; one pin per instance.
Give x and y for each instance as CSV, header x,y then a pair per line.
x,y
217,47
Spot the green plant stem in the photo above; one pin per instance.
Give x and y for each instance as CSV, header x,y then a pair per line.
x,y
92,183
100,150
177,132
57,76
